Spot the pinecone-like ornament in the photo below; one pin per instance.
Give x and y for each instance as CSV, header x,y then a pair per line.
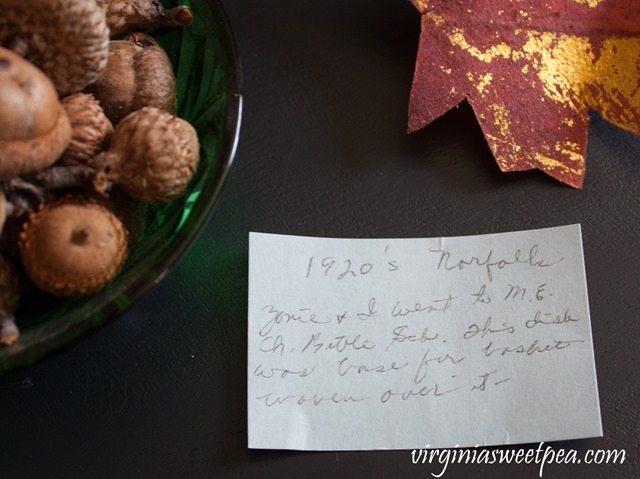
x,y
153,156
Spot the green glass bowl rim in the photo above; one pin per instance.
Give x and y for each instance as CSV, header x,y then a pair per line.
x,y
104,310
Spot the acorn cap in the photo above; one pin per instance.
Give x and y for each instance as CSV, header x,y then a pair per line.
x,y
72,247
67,39
90,129
34,128
153,155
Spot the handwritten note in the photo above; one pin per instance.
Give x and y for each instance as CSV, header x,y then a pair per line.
x,y
409,343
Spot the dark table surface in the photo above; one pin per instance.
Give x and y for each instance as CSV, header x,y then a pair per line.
x,y
161,392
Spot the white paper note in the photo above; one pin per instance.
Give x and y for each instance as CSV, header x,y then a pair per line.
x,y
358,344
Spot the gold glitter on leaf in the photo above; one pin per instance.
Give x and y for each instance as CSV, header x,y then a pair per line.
x,y
531,71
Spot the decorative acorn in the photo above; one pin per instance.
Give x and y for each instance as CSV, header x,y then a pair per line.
x,y
138,74
153,156
34,128
67,39
73,246
90,129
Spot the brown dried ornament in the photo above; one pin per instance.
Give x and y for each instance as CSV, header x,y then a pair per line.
x,y
153,156
34,128
67,39
72,247
142,14
91,129
138,74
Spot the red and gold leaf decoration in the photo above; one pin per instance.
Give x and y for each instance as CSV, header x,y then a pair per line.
x,y
531,70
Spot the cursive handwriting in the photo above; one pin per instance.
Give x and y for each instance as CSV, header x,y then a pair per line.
x,y
437,305
448,326
269,373
338,343
484,378
474,329
550,318
371,311
278,316
399,336
344,367
409,393
363,316
272,344
489,263
529,350
270,399
421,372
481,296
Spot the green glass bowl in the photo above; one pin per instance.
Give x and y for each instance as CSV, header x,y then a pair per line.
x,y
209,97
